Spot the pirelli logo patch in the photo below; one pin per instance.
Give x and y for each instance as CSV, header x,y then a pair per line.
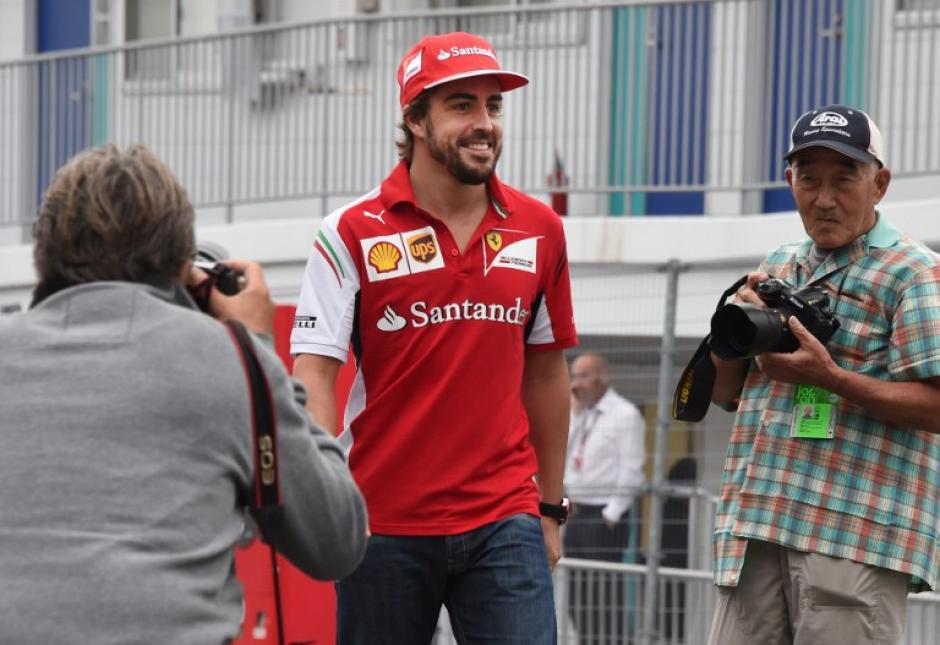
x,y
305,322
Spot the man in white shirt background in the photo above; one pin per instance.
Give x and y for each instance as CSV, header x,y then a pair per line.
x,y
603,474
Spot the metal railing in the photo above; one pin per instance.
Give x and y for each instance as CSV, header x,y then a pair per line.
x,y
600,602
649,107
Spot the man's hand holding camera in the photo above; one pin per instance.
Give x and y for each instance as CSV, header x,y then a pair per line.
x,y
730,373
907,403
783,328
747,293
252,305
811,364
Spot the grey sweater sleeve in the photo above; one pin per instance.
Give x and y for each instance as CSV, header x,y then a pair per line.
x,y
323,527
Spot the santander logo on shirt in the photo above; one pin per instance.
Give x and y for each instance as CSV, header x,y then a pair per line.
x,y
423,314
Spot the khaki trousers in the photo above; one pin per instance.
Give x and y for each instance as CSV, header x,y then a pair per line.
x,y
787,597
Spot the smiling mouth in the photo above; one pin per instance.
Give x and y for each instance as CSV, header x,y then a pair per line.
x,y
478,146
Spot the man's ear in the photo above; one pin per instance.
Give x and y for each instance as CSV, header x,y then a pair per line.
x,y
184,274
788,174
882,179
416,126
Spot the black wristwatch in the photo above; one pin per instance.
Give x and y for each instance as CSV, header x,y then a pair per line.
x,y
558,512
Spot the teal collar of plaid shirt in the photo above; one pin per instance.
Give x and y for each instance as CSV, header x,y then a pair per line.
x,y
882,235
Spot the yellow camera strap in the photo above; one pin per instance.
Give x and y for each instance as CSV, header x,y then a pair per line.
x,y
694,390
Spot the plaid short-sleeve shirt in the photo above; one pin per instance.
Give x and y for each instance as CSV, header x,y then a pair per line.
x,y
872,493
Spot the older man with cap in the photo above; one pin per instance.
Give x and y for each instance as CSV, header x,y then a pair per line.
x,y
830,496
453,289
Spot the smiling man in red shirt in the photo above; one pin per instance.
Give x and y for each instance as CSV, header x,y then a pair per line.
x,y
453,290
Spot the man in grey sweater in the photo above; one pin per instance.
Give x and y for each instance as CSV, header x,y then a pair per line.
x,y
127,455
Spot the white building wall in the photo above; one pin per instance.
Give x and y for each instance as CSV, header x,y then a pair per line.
x,y
727,104
907,90
197,17
317,109
17,29
293,10
719,249
736,132
17,38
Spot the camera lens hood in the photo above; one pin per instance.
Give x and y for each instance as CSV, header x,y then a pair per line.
x,y
743,330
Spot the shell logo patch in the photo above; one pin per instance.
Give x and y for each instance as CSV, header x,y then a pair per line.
x,y
385,257
423,247
494,240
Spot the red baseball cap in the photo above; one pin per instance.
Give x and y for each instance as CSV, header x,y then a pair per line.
x,y
442,58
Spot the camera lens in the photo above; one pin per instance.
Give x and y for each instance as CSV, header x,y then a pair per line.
x,y
743,331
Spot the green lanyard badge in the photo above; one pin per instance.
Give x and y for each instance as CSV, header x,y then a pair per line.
x,y
814,415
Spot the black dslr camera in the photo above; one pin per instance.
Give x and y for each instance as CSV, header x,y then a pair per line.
x,y
744,330
209,258
223,278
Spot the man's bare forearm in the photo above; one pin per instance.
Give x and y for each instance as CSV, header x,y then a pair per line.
x,y
318,375
729,379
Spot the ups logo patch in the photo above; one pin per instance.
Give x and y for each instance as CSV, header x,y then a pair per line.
x,y
422,247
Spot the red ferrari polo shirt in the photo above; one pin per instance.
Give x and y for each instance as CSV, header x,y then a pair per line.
x,y
435,429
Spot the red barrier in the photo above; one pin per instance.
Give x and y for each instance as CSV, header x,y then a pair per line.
x,y
307,607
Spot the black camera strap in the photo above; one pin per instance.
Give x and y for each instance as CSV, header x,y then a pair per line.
x,y
694,391
266,493
265,503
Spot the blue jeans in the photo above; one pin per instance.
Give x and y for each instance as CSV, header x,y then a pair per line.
x,y
494,581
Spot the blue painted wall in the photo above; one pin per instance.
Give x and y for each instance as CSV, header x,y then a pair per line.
x,y
64,125
659,107
797,86
680,112
62,24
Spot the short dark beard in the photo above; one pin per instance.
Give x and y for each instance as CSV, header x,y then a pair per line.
x,y
450,159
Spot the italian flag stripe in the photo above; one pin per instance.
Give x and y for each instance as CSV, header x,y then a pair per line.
x,y
337,265
319,248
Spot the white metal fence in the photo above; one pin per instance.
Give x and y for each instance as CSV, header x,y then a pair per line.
x,y
605,607
675,106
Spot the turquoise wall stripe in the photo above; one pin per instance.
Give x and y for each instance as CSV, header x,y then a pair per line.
x,y
854,59
628,117
101,101
640,123
616,174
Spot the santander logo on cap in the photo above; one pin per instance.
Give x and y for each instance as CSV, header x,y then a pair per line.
x,y
443,58
466,51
